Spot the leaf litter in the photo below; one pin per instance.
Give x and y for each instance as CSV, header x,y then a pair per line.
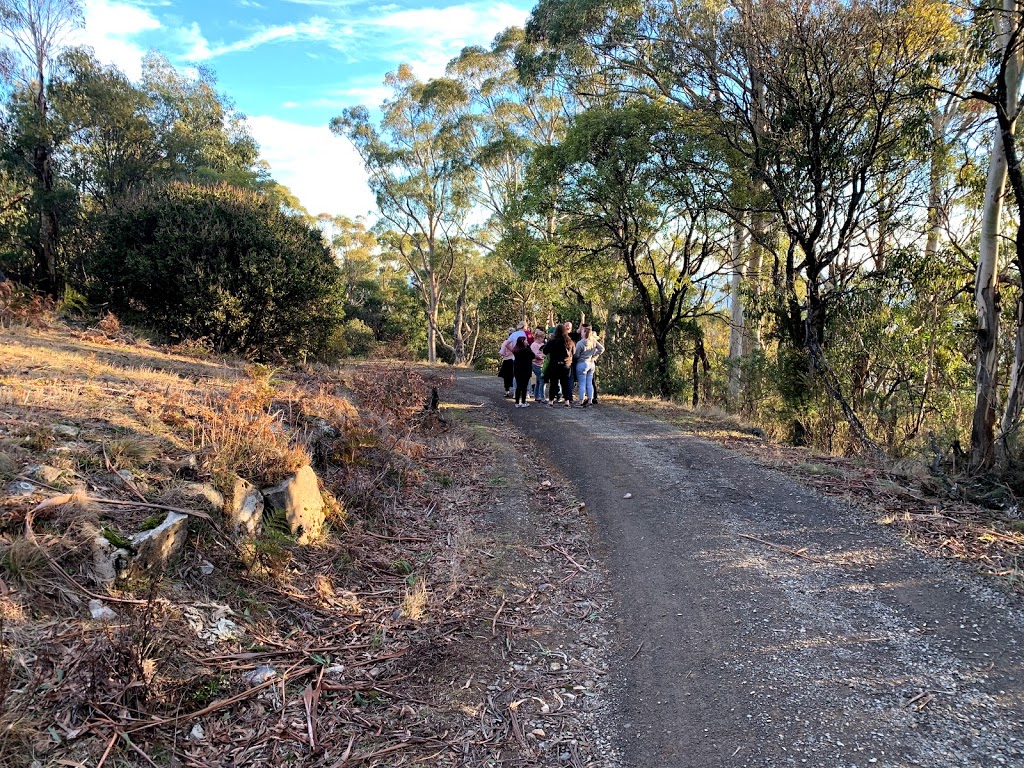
x,y
421,630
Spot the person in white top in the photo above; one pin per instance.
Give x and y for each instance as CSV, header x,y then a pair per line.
x,y
588,349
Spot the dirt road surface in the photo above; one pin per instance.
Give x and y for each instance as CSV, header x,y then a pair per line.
x,y
758,623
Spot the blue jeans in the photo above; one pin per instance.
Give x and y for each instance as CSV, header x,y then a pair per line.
x,y
538,385
585,377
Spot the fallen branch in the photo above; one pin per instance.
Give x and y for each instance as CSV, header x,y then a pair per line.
x,y
128,483
347,760
782,548
494,621
223,703
31,536
566,555
66,498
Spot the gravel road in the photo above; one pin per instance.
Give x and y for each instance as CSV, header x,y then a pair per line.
x,y
730,651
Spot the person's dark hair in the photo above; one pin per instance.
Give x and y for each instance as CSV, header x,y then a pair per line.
x,y
521,342
566,339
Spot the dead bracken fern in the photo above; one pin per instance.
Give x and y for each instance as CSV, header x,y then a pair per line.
x,y
244,434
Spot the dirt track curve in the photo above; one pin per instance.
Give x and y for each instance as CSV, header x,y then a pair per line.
x,y
732,652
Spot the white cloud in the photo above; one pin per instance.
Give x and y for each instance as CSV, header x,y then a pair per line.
x,y
321,169
436,35
315,29
196,47
110,29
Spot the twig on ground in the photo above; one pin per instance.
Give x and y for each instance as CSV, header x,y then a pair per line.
x,y
494,621
783,548
566,555
56,501
223,703
31,536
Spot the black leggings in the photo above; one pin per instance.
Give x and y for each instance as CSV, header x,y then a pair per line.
x,y
522,384
560,378
507,367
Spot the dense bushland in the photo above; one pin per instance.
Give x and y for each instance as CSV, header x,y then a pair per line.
x,y
220,263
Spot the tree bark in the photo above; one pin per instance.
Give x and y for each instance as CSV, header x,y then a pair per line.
x,y
986,286
986,298
737,323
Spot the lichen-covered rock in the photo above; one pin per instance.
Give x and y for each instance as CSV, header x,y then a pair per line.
x,y
243,509
298,498
155,549
108,561
20,488
48,475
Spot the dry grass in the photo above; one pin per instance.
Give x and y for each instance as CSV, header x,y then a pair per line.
x,y
708,421
339,602
243,434
414,604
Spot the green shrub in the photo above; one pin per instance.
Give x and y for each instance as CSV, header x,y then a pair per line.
x,y
222,263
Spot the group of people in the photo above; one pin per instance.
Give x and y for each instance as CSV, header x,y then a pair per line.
x,y
560,362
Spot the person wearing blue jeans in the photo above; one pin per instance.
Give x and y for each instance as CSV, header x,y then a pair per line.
x,y
588,349
538,363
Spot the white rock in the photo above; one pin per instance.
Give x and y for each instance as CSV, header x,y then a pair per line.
x,y
628,496
65,430
202,496
155,549
197,733
100,611
206,568
298,497
259,675
243,511
107,560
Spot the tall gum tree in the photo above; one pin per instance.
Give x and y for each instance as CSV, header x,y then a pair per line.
x,y
419,170
35,29
633,191
1003,94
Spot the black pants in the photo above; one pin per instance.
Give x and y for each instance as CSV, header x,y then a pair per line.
x,y
523,384
560,381
507,373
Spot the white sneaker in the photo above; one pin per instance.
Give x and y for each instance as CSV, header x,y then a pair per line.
x,y
526,405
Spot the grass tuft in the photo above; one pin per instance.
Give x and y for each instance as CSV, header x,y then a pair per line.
x,y
132,452
414,604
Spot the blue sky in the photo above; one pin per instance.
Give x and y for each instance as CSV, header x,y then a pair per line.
x,y
292,65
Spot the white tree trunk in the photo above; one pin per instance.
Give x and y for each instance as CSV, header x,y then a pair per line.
x,y
986,297
986,287
738,328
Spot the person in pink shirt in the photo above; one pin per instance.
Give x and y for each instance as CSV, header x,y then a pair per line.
x,y
507,369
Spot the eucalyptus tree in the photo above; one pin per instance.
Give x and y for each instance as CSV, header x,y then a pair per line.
x,y
514,111
1003,93
112,144
633,189
419,169
35,31
202,136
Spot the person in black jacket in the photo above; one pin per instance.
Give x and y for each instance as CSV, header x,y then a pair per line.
x,y
523,369
560,347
